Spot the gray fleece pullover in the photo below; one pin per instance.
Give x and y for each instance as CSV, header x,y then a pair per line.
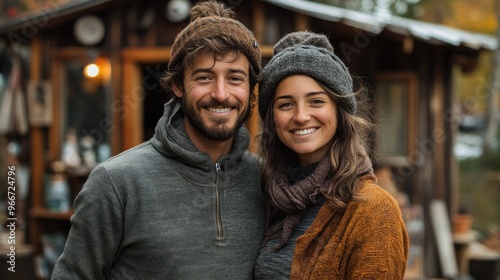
x,y
164,210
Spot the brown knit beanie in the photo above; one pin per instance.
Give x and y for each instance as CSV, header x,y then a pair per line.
x,y
210,20
310,54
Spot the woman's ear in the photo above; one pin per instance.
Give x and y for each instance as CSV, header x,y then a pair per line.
x,y
177,89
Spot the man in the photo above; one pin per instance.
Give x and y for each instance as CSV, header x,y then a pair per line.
x,y
186,204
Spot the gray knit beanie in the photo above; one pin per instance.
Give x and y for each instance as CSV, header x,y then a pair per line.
x,y
311,54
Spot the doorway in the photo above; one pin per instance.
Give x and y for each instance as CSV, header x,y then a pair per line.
x,y
154,97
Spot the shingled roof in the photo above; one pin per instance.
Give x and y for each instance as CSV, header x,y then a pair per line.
x,y
431,33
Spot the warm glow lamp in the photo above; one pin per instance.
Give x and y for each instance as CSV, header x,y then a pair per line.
x,y
91,70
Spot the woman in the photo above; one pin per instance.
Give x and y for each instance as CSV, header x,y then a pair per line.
x,y
327,218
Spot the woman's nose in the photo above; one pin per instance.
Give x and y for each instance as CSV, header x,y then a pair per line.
x,y
301,115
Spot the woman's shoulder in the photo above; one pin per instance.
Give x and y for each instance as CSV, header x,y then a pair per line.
x,y
374,196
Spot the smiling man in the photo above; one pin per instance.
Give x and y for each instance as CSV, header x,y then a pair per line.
x,y
215,99
186,204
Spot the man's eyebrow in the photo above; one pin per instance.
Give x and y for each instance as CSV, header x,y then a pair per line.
x,y
209,70
241,71
201,70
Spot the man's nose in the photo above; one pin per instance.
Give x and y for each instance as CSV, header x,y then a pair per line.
x,y
220,92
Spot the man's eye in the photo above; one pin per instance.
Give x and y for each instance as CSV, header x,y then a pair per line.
x,y
236,79
203,78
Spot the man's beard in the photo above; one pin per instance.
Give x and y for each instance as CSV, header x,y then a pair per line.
x,y
219,131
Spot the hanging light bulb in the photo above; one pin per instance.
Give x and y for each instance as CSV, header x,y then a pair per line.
x,y
91,70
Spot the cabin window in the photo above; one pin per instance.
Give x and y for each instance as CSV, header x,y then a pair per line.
x,y
395,115
85,114
86,103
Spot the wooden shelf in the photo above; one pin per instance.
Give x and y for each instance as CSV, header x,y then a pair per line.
x,y
81,171
44,213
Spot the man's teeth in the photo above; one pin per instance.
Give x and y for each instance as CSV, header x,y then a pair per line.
x,y
304,131
219,110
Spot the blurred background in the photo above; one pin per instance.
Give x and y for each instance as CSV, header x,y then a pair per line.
x,y
79,84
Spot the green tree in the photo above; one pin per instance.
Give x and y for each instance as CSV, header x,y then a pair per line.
x,y
473,15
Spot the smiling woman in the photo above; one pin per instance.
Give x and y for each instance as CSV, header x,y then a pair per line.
x,y
305,117
328,219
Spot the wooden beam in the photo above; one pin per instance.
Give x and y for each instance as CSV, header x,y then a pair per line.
x,y
301,22
259,21
147,55
116,77
55,129
37,138
266,51
130,107
37,150
438,129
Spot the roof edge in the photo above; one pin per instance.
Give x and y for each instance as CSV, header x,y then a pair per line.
x,y
431,33
30,22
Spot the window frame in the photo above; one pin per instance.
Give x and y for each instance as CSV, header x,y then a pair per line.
x,y
411,82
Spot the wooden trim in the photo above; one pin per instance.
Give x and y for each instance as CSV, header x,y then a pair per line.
x,y
266,51
412,111
146,55
36,133
301,22
37,151
55,128
115,79
131,108
437,110
259,20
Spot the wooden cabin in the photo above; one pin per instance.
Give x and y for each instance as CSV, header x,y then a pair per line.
x,y
406,63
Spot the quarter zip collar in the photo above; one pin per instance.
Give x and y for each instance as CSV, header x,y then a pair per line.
x,y
220,233
172,141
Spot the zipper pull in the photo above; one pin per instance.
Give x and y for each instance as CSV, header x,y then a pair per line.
x,y
217,168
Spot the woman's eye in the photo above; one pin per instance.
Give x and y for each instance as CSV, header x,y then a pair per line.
x,y
317,101
285,105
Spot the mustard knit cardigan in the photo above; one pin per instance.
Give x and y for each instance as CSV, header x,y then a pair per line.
x,y
367,241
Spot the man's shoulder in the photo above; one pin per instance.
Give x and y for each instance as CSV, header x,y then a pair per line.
x,y
140,155
131,153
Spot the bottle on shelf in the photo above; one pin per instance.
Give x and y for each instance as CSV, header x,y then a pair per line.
x,y
57,195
